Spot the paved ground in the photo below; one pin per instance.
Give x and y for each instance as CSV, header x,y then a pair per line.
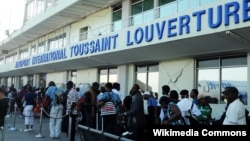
x,y
19,135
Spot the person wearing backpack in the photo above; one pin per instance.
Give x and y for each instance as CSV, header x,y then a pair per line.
x,y
56,109
109,120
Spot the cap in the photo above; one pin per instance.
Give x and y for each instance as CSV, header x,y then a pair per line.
x,y
231,90
146,93
70,83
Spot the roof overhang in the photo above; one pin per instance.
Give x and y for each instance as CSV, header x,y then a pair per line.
x,y
59,15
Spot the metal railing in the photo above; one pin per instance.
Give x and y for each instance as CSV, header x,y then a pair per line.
x,y
91,134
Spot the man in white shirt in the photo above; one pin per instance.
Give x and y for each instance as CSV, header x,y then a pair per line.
x,y
235,113
186,104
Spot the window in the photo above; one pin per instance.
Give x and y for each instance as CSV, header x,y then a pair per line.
x,y
42,80
142,11
215,74
117,17
20,81
74,76
162,2
30,80
24,53
83,33
41,47
33,50
1,62
57,42
11,58
108,75
147,77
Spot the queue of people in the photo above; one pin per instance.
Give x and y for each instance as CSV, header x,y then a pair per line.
x,y
128,117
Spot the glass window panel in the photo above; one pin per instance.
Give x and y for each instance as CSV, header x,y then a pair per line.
x,y
113,78
137,8
153,79
113,71
208,63
162,2
208,84
141,80
234,61
141,69
154,68
117,15
103,78
148,4
230,77
103,72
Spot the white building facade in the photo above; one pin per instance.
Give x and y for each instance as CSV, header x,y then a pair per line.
x,y
186,44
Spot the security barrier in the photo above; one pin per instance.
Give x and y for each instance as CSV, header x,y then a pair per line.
x,y
91,134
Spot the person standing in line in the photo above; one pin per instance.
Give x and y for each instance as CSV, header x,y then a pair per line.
x,y
186,105
235,113
20,96
72,108
55,122
137,113
90,104
109,124
30,98
3,107
194,95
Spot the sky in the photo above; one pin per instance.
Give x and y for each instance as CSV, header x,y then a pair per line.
x,y
11,16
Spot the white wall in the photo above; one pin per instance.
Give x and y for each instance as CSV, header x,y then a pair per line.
x,y
93,21
87,76
169,71
58,77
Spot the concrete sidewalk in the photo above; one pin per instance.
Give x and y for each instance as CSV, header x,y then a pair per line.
x,y
19,135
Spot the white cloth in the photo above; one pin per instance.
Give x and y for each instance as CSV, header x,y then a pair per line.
x,y
185,105
28,114
55,122
235,114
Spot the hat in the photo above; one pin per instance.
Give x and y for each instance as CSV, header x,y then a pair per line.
x,y
70,83
146,93
231,90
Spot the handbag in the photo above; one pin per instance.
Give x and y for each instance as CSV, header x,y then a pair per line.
x,y
108,108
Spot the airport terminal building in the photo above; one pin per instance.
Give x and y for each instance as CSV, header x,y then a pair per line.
x,y
186,44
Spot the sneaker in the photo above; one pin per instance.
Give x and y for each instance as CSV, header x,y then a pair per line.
x,y
26,130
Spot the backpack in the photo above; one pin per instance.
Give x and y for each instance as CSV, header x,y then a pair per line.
x,y
59,98
108,108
